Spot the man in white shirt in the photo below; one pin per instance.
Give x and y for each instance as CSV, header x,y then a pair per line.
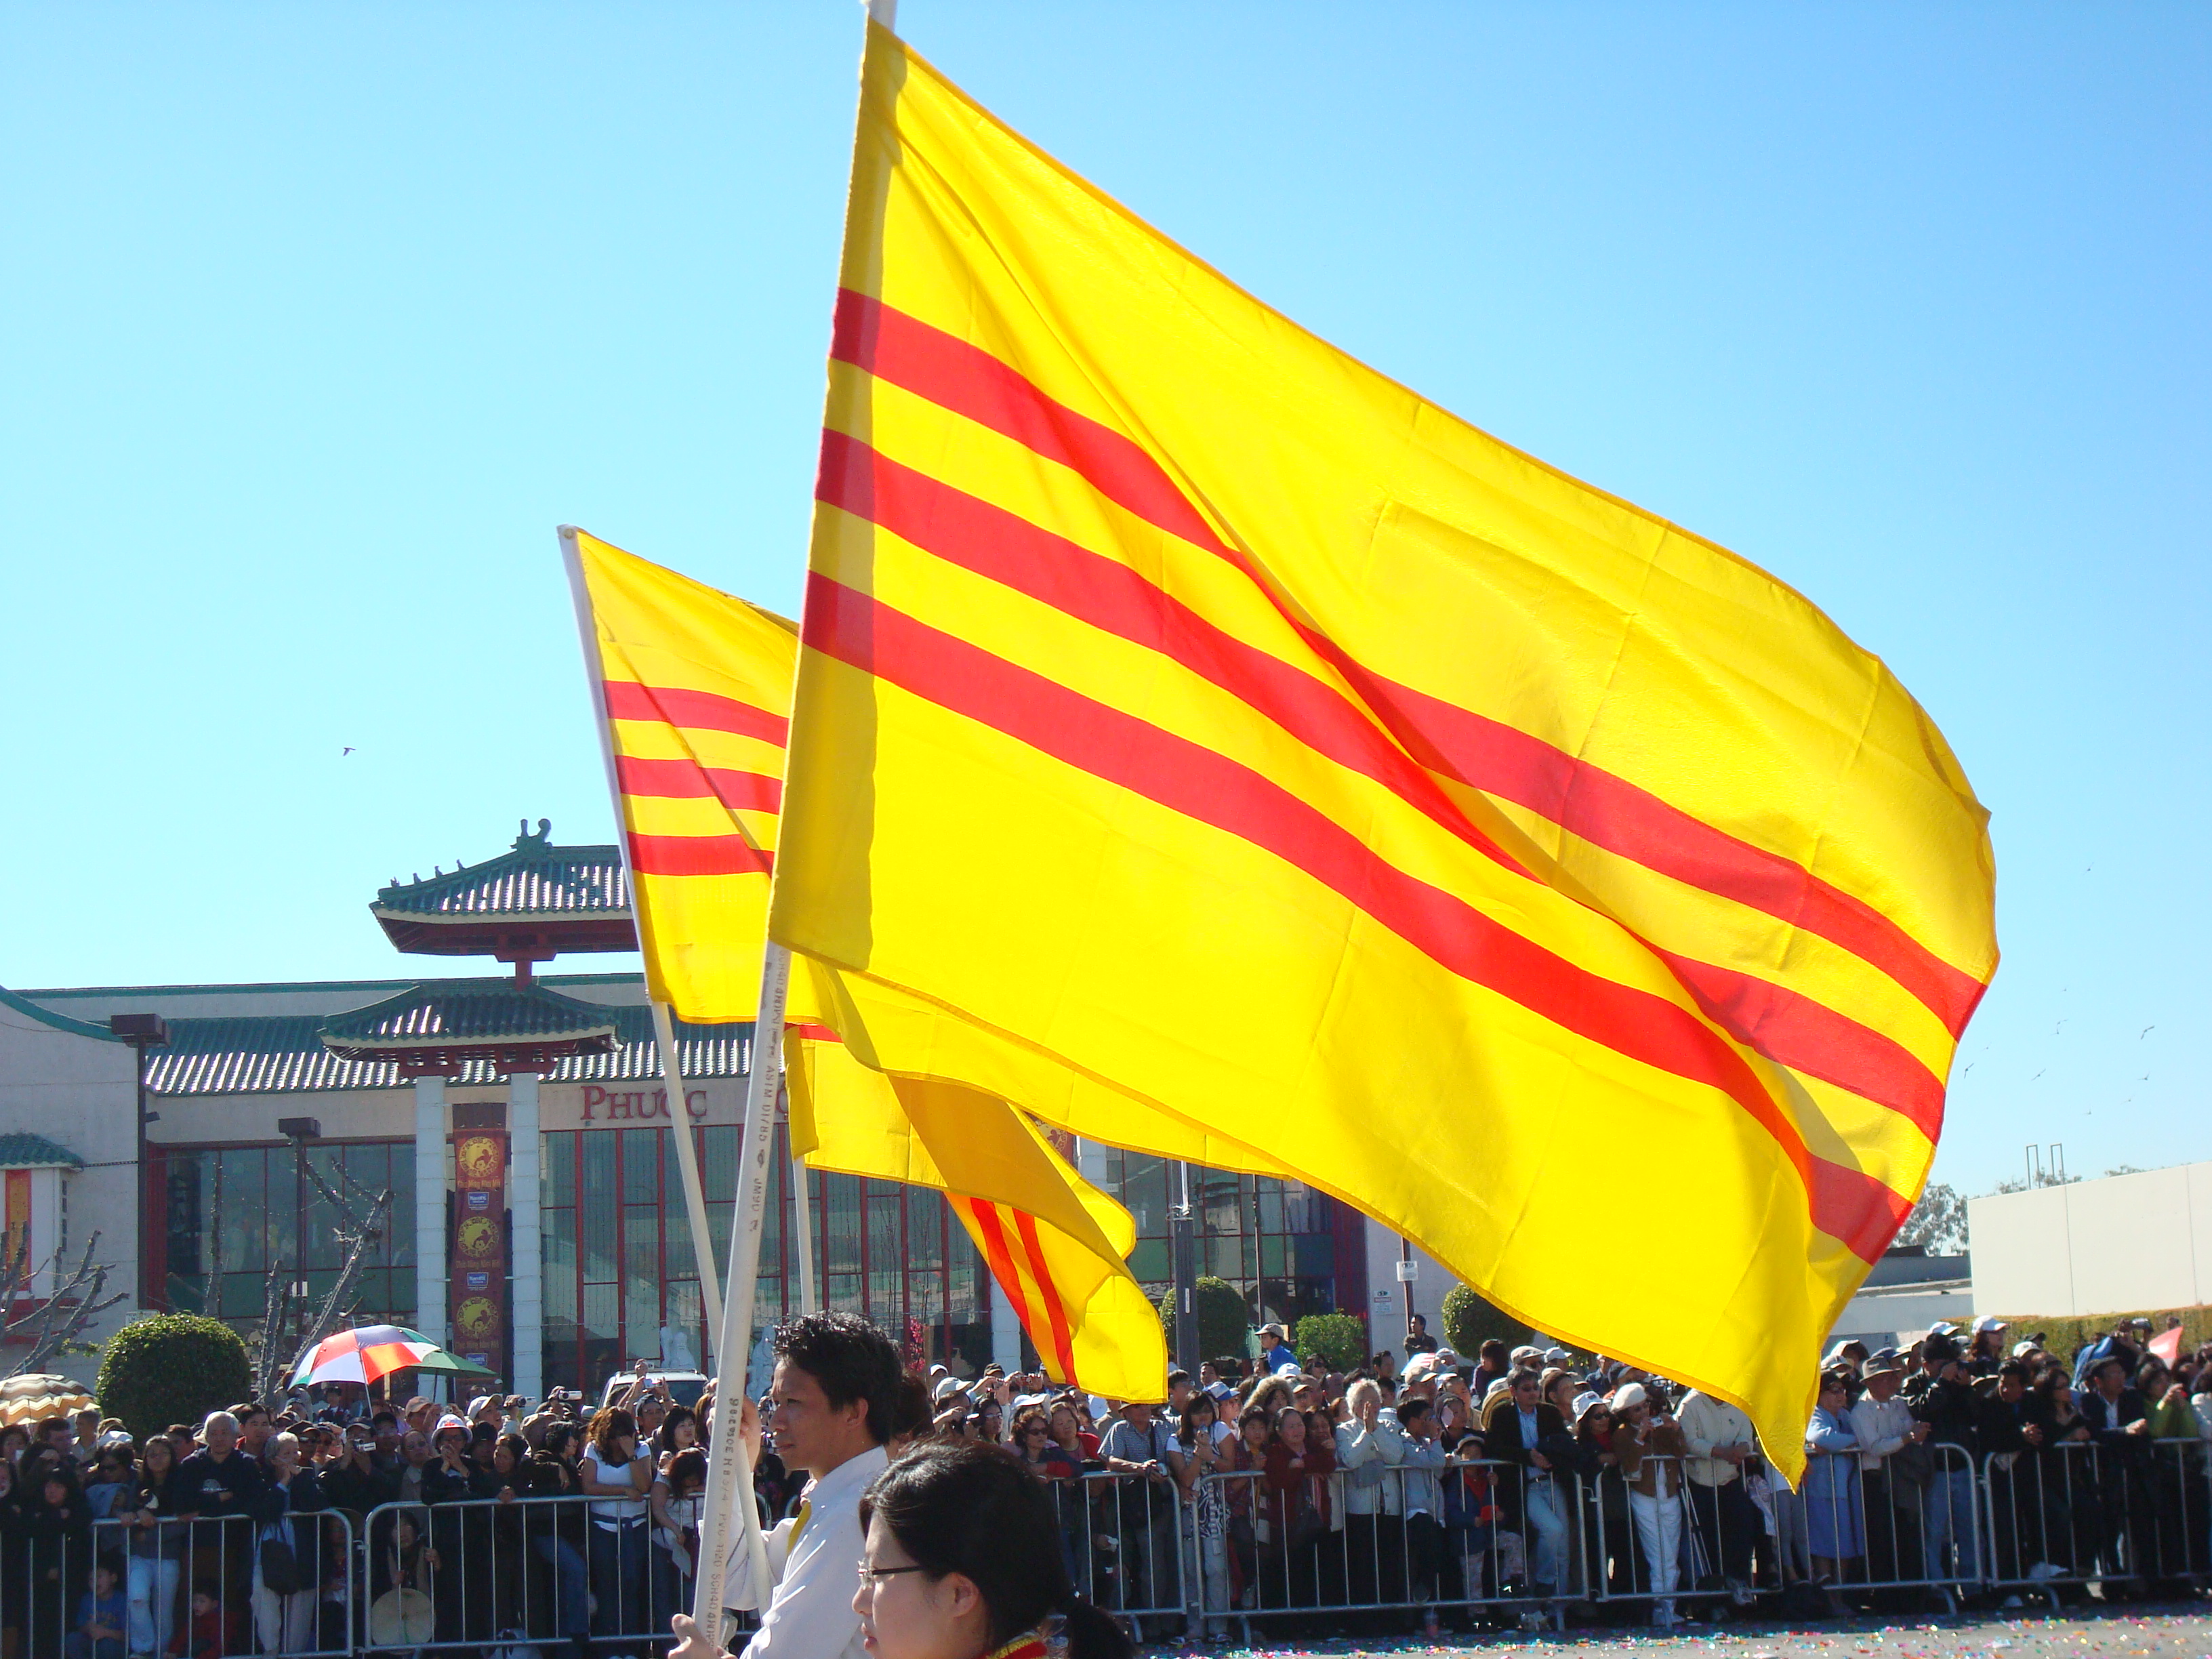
x,y
829,1407
1721,1442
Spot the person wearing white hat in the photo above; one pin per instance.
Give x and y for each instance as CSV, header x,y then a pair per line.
x,y
1987,1353
1650,1446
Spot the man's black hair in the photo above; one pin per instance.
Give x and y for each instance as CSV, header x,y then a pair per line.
x,y
849,1359
1177,1375
2013,1368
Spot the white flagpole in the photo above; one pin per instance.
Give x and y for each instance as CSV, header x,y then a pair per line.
x,y
687,1163
802,1231
729,1495
729,1498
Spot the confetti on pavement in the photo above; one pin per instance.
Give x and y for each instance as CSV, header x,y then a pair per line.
x,y
2165,1632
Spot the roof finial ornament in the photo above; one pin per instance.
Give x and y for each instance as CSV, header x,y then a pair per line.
x,y
526,839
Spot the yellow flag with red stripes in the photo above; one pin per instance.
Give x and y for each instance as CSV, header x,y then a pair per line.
x,y
1186,707
1056,1245
692,687
693,684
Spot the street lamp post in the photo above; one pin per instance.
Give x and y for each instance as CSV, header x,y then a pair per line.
x,y
299,1131
141,1032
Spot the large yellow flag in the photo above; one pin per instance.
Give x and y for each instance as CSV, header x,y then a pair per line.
x,y
1188,709
693,684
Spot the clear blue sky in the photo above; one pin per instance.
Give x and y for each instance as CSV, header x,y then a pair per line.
x,y
314,320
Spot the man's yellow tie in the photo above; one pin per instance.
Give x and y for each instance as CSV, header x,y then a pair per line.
x,y
805,1513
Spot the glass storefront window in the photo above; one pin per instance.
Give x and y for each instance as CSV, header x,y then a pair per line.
x,y
625,1269
257,1199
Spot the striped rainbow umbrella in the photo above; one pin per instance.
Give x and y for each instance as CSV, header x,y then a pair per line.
x,y
368,1352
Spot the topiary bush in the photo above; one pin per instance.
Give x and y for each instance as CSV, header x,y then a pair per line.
x,y
1223,1325
1338,1338
172,1368
1469,1321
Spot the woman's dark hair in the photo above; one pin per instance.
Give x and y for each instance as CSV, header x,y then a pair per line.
x,y
609,1422
663,1437
912,1409
515,1447
962,1507
849,1359
689,1464
557,1438
1197,1403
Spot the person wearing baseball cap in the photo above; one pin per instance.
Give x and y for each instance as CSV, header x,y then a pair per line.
x,y
1275,1349
1987,1351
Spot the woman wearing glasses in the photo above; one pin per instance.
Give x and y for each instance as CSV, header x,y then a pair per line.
x,y
962,1561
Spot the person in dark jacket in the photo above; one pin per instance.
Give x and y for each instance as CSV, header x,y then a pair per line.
x,y
219,1489
556,1532
289,1570
2013,1424
57,1530
460,1535
1943,1398
1520,1427
2119,1426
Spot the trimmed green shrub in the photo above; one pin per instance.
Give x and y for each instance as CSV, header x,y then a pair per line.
x,y
1224,1317
1469,1321
172,1368
1338,1338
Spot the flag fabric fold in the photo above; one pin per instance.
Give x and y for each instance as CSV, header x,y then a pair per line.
x,y
693,684
1199,721
1055,1245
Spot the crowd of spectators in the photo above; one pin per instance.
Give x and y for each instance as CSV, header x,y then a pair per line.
x,y
216,1539
1540,1474
1505,1485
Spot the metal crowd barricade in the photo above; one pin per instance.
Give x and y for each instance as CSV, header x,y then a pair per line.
x,y
1404,1543
2174,1541
228,1586
1874,1524
489,1572
1127,1545
1680,1542
2118,1511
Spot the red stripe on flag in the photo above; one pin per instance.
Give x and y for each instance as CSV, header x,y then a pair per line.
x,y
1001,1260
1811,1038
706,711
977,535
1055,1314
697,855
1598,806
685,780
1209,789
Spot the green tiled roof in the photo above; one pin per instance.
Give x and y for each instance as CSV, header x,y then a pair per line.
x,y
59,1021
30,1151
444,1012
284,1054
533,878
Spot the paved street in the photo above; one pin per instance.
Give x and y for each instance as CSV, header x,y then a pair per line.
x,y
2164,1633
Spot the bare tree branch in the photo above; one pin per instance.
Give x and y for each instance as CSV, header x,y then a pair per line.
x,y
58,1325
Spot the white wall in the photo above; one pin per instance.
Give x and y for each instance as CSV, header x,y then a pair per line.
x,y
1387,1302
2096,1247
79,1091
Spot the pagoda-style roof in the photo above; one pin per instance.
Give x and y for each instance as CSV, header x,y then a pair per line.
x,y
435,1029
284,1054
529,904
24,1151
